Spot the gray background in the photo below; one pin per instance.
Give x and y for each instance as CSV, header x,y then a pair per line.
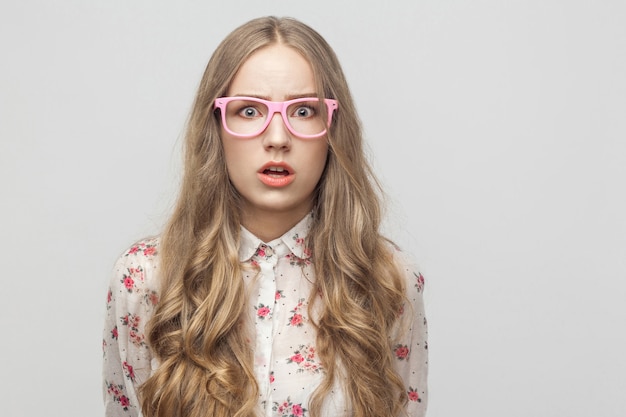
x,y
497,127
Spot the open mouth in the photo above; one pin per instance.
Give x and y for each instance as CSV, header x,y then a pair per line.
x,y
276,172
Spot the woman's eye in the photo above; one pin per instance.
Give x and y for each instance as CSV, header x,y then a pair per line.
x,y
304,111
249,112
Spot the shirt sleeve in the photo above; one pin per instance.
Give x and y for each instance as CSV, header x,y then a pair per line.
x,y
411,347
131,300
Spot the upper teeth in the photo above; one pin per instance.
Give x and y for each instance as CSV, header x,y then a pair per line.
x,y
277,169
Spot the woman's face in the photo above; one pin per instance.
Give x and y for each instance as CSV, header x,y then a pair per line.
x,y
275,172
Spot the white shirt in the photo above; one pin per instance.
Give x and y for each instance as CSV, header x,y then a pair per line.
x,y
286,364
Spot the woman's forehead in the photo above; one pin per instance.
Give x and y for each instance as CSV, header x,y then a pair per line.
x,y
274,72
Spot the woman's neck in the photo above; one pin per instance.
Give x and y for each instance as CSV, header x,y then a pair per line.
x,y
270,225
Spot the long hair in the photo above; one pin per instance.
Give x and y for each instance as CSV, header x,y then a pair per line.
x,y
198,332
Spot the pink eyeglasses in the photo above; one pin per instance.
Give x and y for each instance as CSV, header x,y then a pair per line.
x,y
247,117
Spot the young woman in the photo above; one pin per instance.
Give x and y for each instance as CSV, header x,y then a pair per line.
x,y
271,291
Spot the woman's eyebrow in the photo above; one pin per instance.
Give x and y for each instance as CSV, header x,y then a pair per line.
x,y
305,95
287,97
262,97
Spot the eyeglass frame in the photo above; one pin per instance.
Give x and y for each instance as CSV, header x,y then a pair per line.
x,y
273,108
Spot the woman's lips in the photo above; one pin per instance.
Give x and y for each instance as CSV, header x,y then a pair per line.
x,y
276,174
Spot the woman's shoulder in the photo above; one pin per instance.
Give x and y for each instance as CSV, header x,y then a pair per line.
x,y
146,248
135,272
408,266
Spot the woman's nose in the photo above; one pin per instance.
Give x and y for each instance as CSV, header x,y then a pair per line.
x,y
277,135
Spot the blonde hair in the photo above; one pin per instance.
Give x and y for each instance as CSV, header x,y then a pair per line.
x,y
198,333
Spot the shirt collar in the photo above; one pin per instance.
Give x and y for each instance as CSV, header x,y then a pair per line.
x,y
294,239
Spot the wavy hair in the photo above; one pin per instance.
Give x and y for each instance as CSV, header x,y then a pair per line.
x,y
198,332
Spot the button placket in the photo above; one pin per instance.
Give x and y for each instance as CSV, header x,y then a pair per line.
x,y
264,316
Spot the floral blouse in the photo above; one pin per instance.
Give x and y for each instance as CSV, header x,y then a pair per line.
x,y
286,363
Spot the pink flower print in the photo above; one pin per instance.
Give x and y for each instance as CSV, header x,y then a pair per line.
x,y
152,298
109,296
128,283
304,358
272,377
115,391
130,373
131,276
299,240
264,251
124,402
297,358
401,352
148,249
296,261
279,295
288,409
419,282
310,353
133,321
307,252
114,333
296,320
413,395
136,273
262,311
297,410
136,338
